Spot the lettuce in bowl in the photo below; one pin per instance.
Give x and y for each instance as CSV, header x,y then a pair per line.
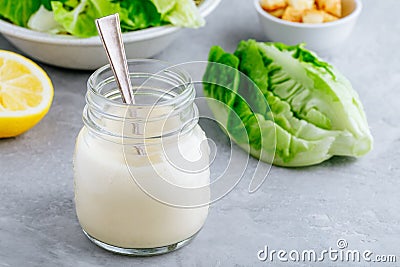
x,y
76,17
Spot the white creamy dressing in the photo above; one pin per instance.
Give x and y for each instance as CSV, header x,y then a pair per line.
x,y
112,208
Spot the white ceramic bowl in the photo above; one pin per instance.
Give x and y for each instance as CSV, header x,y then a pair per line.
x,y
87,53
319,37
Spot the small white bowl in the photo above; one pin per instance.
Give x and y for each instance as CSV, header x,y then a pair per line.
x,y
319,37
88,53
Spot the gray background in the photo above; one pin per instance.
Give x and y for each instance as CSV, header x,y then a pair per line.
x,y
308,208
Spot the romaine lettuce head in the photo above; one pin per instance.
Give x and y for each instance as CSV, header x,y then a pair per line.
x,y
297,110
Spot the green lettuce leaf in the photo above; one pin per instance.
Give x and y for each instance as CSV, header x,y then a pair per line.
x,y
183,13
138,14
163,6
312,113
18,12
47,3
222,82
78,17
43,21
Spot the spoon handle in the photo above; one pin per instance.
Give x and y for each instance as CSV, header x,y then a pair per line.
x,y
110,34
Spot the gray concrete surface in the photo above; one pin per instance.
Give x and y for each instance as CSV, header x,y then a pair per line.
x,y
310,208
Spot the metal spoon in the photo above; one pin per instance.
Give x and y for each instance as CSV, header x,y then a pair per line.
x,y
110,33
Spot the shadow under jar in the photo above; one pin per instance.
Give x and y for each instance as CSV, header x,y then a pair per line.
x,y
141,171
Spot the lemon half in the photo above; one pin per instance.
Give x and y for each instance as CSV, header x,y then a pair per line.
x,y
26,94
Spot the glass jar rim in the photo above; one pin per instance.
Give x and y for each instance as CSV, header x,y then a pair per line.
x,y
186,80
105,108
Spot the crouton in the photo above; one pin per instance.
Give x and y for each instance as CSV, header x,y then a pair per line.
x,y
313,16
334,7
271,5
328,17
278,12
307,11
292,14
301,4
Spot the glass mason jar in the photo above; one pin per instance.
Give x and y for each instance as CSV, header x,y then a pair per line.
x,y
141,172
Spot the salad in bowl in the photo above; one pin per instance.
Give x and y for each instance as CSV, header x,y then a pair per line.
x,y
63,32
